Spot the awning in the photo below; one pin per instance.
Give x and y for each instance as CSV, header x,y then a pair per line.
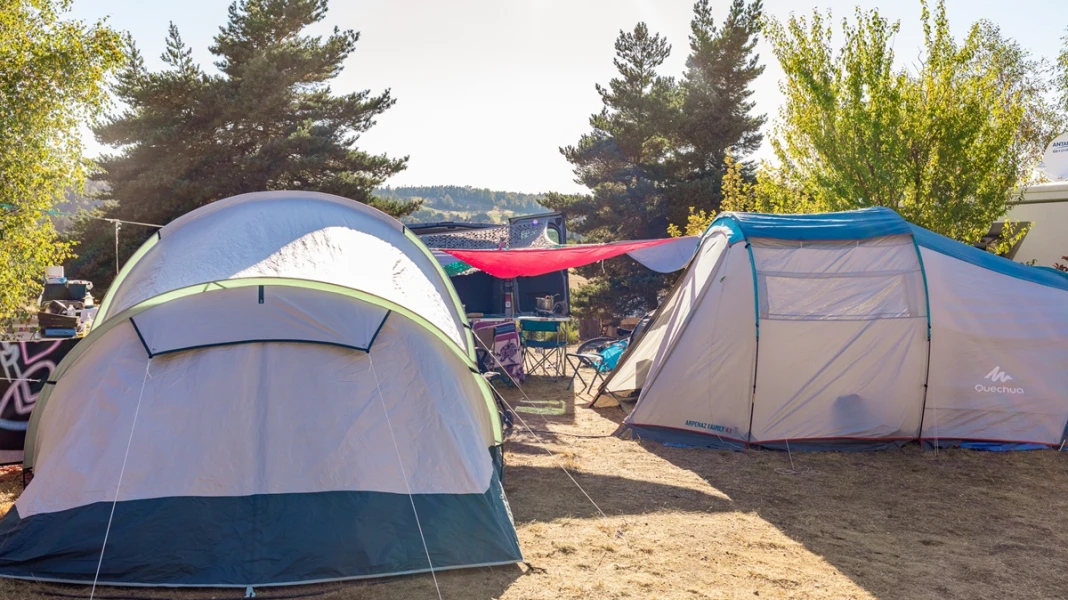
x,y
663,256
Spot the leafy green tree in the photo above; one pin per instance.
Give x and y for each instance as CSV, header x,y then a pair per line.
x,y
52,78
945,145
267,120
626,163
717,109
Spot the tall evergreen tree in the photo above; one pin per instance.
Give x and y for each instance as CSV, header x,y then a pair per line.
x,y
658,147
626,163
717,111
267,120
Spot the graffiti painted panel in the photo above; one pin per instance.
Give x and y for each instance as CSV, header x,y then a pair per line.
x,y
24,368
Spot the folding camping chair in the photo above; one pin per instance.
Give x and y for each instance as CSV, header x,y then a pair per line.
x,y
599,354
550,356
602,354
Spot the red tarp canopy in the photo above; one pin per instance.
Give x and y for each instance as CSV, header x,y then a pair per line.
x,y
528,262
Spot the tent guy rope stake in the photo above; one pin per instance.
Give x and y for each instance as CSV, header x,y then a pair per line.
x,y
404,474
118,484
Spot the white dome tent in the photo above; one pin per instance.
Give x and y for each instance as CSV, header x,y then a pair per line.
x,y
852,330
280,389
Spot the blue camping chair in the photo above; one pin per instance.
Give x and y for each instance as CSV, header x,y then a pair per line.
x,y
602,354
549,358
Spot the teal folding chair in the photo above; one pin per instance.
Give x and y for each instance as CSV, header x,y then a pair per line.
x,y
545,355
601,355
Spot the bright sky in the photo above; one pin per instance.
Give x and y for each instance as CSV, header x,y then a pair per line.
x,y
488,90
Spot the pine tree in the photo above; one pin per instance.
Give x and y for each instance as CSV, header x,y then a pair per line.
x,y
717,107
626,163
267,121
658,147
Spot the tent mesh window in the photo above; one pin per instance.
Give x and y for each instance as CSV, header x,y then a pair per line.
x,y
862,280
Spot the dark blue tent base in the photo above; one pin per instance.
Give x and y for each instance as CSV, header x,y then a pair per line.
x,y
690,439
269,539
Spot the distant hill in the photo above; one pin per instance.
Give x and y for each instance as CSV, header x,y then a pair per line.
x,y
440,203
463,203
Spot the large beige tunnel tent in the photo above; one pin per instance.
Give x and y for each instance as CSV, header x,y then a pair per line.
x,y
850,330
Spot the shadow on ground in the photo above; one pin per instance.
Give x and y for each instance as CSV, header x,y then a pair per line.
x,y
906,523
615,496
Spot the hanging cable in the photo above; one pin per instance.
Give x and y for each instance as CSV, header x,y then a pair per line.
x,y
404,474
118,485
59,213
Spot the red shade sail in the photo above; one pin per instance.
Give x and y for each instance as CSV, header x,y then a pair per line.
x,y
528,262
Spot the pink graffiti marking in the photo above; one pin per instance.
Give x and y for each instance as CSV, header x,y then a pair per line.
x,y
33,366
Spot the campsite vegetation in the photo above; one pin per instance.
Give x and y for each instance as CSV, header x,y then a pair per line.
x,y
943,144
658,145
947,142
462,203
267,120
53,79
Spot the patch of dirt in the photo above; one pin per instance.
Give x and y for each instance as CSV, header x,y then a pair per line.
x,y
694,523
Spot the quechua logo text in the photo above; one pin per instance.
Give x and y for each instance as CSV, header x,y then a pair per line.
x,y
998,378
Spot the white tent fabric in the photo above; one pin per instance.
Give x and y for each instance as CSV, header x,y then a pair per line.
x,y
815,331
848,321
304,235
669,257
998,355
349,425
286,313
712,343
656,342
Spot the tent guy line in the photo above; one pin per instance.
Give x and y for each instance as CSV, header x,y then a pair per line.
x,y
556,459
404,473
118,485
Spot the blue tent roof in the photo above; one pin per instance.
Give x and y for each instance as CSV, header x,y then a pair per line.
x,y
849,225
981,258
875,222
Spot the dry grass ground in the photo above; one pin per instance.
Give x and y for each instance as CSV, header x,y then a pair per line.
x,y
689,523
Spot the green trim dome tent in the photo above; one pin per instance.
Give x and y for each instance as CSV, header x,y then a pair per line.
x,y
852,330
280,389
